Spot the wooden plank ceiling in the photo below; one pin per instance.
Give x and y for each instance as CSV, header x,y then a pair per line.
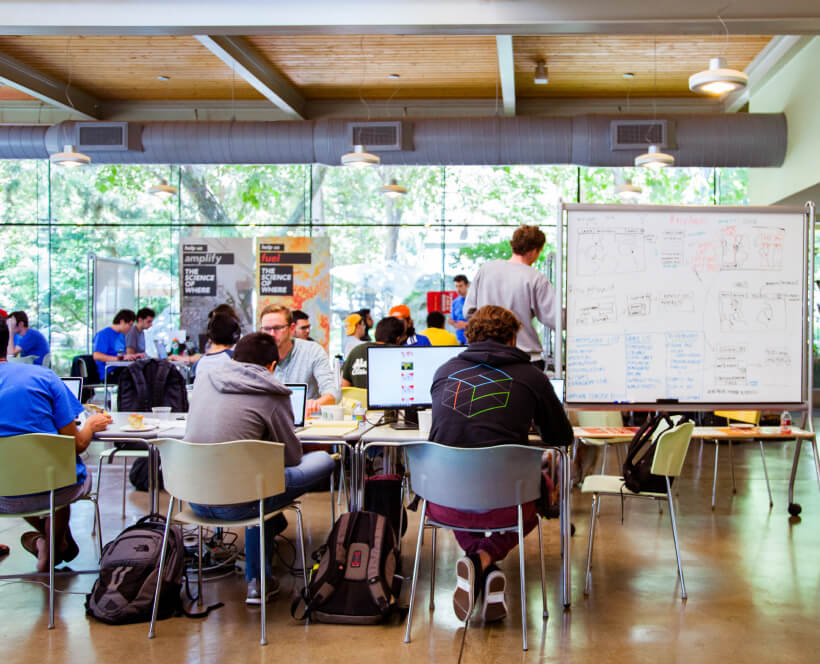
x,y
349,67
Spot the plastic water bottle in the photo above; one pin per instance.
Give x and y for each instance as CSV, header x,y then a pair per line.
x,y
358,413
785,422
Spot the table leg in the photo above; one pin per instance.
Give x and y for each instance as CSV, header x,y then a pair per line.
x,y
798,443
564,520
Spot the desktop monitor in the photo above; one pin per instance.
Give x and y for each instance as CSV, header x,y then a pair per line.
x,y
401,376
298,400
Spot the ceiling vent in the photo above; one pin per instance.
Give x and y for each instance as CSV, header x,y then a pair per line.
x,y
381,136
107,136
637,134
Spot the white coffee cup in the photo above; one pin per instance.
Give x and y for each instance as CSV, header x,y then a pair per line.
x,y
425,421
333,413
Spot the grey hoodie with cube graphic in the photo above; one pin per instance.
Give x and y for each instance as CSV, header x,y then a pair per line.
x,y
242,401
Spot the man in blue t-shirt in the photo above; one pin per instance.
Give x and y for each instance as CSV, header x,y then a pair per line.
x,y
26,340
109,343
412,338
34,400
458,319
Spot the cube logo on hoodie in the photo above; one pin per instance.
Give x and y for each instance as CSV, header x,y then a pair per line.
x,y
477,389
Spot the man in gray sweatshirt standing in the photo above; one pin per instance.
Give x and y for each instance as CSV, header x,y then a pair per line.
x,y
243,401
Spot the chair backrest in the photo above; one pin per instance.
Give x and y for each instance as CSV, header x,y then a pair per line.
x,y
238,471
47,360
22,359
747,416
35,462
670,450
350,395
600,418
475,478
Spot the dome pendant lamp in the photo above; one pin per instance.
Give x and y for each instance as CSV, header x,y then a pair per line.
x,y
718,79
654,158
360,158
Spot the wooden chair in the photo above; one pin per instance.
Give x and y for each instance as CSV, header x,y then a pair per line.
x,y
36,463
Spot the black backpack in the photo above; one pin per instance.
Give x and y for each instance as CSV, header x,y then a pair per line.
x,y
150,382
129,566
356,581
638,463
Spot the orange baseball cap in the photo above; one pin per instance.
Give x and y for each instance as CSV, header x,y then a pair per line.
x,y
401,311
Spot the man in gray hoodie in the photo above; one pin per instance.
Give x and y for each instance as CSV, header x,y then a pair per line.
x,y
243,401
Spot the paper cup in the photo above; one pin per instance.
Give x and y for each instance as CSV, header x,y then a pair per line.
x,y
425,421
333,412
162,412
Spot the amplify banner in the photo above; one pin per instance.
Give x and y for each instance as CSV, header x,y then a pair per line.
x,y
215,271
295,272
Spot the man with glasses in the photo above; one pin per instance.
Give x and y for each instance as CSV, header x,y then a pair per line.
x,y
302,322
300,361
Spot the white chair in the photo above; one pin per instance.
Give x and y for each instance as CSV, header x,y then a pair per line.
x,y
22,359
475,479
603,418
670,451
239,471
113,453
35,463
47,360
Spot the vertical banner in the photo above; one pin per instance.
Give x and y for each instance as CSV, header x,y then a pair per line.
x,y
295,272
441,301
215,271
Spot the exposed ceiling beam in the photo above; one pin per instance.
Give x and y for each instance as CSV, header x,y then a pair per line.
x,y
239,55
777,53
47,89
506,72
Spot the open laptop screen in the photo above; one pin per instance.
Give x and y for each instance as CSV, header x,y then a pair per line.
x,y
74,385
298,399
558,386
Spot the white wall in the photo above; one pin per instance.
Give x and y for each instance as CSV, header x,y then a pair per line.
x,y
795,91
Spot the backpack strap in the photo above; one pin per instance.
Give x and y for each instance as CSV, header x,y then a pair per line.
x,y
378,527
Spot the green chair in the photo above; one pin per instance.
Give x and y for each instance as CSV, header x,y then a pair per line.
x,y
35,463
22,359
670,451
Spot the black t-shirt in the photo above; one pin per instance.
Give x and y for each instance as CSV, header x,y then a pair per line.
x,y
490,395
354,369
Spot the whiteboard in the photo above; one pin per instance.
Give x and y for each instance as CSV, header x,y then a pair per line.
x,y
115,288
688,305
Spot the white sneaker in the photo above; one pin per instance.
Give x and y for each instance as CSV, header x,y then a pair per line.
x,y
254,596
494,606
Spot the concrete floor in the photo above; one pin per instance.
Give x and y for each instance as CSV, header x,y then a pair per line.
x,y
752,575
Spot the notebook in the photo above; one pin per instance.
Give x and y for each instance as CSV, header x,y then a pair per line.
x,y
298,401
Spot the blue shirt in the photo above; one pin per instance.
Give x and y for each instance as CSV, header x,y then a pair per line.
x,y
110,342
457,312
34,400
417,340
32,343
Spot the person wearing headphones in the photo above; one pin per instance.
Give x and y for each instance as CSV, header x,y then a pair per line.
x,y
223,333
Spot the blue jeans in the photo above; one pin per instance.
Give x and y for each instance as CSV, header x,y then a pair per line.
x,y
314,467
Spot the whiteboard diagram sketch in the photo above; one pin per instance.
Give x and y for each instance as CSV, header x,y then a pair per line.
x,y
686,305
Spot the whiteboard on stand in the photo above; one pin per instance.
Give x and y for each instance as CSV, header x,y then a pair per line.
x,y
693,306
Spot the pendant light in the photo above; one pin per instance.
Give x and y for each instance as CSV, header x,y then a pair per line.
x,y
163,190
627,191
393,190
360,158
718,79
654,158
69,158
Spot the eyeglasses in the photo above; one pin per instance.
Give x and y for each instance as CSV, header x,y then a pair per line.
x,y
273,328
303,327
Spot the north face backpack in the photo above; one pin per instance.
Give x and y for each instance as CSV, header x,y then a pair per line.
x,y
356,581
151,382
638,464
129,566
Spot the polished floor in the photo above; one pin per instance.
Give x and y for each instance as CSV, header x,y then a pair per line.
x,y
752,574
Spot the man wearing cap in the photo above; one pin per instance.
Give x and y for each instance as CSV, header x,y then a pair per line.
x,y
402,312
354,329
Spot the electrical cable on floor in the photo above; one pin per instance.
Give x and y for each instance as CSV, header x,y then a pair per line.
x,y
45,585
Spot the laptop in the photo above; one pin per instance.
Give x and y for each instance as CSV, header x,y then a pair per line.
x,y
74,385
558,387
162,354
298,402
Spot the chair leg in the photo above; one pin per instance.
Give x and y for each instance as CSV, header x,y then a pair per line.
x,y
124,481
199,566
714,479
603,458
301,533
416,571
587,577
263,571
732,467
544,613
332,496
675,537
51,559
99,527
99,480
766,473
523,578
433,569
151,629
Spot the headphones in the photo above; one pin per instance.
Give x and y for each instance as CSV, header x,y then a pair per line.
x,y
236,330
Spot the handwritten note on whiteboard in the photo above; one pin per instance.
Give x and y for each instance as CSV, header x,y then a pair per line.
x,y
701,305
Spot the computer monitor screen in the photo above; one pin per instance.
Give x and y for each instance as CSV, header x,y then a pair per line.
x,y
401,376
558,387
298,399
74,385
